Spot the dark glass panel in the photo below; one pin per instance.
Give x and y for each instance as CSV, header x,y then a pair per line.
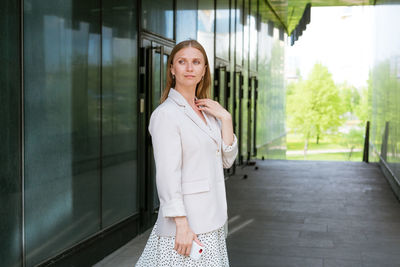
x,y
239,32
222,87
205,31
222,32
119,116
62,118
10,178
186,20
253,35
158,17
232,48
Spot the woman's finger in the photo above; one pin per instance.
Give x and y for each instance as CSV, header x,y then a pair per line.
x,y
184,250
187,251
203,101
198,241
180,250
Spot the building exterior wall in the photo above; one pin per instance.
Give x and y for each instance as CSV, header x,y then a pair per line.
x,y
10,139
75,160
271,108
385,91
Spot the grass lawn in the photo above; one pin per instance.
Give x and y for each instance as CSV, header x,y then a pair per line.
x,y
356,156
295,142
299,145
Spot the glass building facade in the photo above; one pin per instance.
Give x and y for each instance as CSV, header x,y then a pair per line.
x,y
79,82
385,92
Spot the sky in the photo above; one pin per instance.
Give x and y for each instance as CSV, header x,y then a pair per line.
x,y
338,37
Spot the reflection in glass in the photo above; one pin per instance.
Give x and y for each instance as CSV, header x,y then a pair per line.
x,y
384,86
222,85
119,116
270,134
253,36
239,16
158,17
232,37
222,31
205,30
62,134
186,20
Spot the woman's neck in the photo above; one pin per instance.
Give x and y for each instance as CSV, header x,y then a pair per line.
x,y
189,93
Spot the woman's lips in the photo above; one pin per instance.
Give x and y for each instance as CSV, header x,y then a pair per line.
x,y
189,76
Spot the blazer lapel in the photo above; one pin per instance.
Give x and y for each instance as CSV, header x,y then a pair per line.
x,y
209,129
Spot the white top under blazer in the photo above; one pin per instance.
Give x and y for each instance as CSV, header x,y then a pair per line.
x,y
189,157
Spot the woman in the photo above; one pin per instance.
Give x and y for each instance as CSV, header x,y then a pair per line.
x,y
193,141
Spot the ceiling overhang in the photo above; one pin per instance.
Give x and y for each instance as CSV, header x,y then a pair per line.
x,y
287,14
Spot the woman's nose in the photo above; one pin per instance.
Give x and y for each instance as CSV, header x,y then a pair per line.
x,y
189,66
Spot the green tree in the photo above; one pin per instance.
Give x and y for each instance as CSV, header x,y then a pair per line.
x,y
364,108
350,98
314,105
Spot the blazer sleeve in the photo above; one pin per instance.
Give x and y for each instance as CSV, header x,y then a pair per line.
x,y
229,153
167,149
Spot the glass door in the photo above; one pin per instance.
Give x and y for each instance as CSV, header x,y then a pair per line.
x,y
220,86
237,120
254,115
223,94
231,107
154,55
251,126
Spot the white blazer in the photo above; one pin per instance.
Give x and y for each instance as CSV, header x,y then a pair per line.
x,y
189,157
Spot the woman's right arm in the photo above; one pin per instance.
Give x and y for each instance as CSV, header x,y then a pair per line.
x,y
167,149
184,236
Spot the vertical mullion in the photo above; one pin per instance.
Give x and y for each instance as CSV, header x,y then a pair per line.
x,y
101,115
22,131
174,19
161,69
258,20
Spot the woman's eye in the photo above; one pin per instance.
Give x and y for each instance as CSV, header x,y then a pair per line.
x,y
196,62
181,61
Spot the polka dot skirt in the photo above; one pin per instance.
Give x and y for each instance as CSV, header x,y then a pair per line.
x,y
159,251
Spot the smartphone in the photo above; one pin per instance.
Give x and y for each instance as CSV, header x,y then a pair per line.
x,y
196,251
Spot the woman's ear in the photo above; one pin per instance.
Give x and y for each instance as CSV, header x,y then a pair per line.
x,y
204,70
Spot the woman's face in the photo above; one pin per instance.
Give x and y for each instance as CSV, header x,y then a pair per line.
x,y
188,67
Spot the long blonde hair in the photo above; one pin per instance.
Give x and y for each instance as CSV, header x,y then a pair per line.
x,y
203,87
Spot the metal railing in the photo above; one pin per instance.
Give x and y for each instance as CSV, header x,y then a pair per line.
x,y
366,143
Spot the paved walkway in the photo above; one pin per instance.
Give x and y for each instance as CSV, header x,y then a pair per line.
x,y
304,213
